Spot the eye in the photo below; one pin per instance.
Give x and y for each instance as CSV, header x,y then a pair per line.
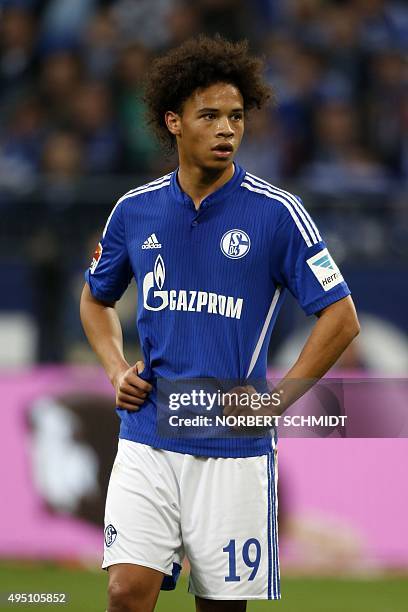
x,y
237,117
209,116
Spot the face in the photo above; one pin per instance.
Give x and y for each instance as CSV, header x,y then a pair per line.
x,y
210,127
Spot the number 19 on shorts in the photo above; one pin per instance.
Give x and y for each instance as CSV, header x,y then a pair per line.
x,y
251,556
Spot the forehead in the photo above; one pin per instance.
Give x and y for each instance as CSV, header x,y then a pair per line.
x,y
218,95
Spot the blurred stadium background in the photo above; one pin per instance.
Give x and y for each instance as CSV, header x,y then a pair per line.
x,y
72,140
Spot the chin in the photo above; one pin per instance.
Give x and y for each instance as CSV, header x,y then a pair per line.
x,y
218,164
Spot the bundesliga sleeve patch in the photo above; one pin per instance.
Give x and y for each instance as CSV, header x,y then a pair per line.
x,y
325,270
96,257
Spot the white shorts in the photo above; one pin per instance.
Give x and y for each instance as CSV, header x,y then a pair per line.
x,y
219,512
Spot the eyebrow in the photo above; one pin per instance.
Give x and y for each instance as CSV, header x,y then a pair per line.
x,y
215,110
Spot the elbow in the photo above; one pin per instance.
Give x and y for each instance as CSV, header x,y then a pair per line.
x,y
351,328
348,319
355,330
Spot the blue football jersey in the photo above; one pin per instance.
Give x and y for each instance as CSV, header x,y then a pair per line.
x,y
210,285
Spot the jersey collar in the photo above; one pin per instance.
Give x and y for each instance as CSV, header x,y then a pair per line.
x,y
221,193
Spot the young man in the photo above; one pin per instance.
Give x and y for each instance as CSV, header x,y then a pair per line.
x,y
213,249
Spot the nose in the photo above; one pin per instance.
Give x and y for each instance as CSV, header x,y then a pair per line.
x,y
224,128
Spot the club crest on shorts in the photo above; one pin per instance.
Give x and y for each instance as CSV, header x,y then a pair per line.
x,y
235,244
110,535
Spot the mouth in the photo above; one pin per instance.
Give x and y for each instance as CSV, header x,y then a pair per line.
x,y
223,149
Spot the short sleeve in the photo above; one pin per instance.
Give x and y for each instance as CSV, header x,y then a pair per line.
x,y
302,262
110,271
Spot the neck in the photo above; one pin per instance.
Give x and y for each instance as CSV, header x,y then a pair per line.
x,y
199,183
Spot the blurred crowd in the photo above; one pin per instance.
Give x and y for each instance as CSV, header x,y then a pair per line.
x,y
71,88
73,136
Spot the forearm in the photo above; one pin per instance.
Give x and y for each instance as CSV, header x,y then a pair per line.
x,y
104,332
332,333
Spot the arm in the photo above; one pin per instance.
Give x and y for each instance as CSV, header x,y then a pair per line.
x,y
104,332
334,330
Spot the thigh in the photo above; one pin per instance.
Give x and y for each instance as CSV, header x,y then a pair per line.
x,y
142,516
229,526
133,587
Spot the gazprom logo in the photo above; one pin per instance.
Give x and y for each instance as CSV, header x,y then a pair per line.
x,y
324,262
159,272
155,298
155,279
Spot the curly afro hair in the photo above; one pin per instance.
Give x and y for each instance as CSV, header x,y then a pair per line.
x,y
199,63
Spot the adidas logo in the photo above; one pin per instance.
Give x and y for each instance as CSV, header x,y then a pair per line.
x,y
151,243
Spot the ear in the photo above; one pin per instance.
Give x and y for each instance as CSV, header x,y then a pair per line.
x,y
173,122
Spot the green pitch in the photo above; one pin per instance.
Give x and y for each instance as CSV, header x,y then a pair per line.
x,y
86,592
